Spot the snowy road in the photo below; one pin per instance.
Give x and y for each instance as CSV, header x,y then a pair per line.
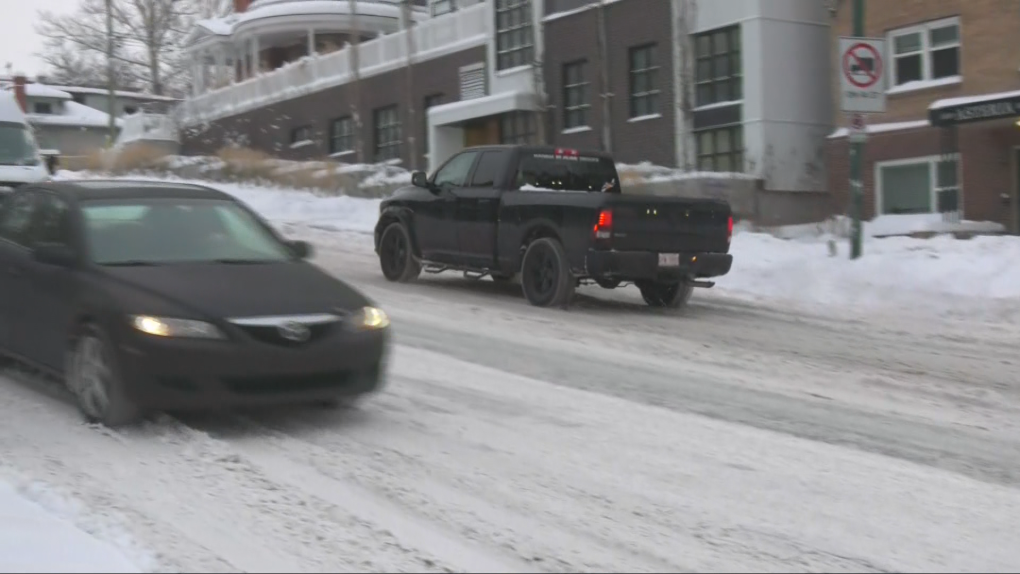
x,y
610,437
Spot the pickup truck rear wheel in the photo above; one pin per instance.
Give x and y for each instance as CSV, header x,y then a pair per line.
x,y
545,274
396,256
669,295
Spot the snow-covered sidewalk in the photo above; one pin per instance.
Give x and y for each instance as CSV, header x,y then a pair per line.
x,y
33,539
977,278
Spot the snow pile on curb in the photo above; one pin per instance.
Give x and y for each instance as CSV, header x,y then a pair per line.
x,y
976,277
942,275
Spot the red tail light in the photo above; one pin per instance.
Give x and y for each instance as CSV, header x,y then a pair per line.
x,y
604,225
729,229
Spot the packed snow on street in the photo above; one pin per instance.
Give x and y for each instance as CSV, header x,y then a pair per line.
x,y
809,413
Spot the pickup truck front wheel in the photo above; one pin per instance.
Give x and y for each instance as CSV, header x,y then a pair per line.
x,y
669,295
396,255
545,274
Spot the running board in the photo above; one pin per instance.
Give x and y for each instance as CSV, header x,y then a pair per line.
x,y
706,284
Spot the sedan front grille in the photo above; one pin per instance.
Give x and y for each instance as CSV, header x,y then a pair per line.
x,y
288,330
273,336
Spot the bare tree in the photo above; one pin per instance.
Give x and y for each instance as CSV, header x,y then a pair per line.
x,y
686,17
147,41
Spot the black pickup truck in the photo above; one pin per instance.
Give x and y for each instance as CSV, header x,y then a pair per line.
x,y
559,218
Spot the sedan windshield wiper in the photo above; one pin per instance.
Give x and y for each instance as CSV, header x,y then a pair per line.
x,y
240,261
130,263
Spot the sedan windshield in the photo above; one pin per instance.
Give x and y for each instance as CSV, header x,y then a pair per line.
x,y
161,231
17,147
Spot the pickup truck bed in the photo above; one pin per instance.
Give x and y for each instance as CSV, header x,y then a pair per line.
x,y
558,219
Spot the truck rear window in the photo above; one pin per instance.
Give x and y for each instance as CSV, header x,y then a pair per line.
x,y
551,172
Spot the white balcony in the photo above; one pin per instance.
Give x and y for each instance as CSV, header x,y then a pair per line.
x,y
432,38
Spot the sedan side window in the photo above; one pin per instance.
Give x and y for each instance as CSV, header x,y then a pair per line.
x,y
455,172
53,222
16,217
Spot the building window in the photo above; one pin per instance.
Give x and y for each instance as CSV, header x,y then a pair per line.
x,y
927,52
514,34
440,7
575,95
341,135
430,102
721,149
644,71
387,133
929,185
42,108
301,135
517,128
718,72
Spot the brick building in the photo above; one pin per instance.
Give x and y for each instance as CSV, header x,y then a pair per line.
x,y
949,142
709,85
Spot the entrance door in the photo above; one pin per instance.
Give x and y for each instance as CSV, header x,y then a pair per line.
x,y
481,132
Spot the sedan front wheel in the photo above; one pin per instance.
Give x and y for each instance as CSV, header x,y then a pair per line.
x,y
93,378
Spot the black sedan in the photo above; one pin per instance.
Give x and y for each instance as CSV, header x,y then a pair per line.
x,y
161,296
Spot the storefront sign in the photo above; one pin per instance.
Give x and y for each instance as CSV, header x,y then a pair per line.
x,y
976,112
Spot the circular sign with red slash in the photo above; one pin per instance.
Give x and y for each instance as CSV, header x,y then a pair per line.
x,y
862,65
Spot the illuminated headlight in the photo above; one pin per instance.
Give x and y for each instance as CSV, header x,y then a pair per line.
x,y
179,328
369,319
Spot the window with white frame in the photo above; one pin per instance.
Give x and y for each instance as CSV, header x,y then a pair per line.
x,y
440,7
575,95
514,34
718,72
387,133
721,149
341,135
927,52
644,82
926,185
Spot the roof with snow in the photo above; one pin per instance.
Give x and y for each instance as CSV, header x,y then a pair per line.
x,y
47,92
74,115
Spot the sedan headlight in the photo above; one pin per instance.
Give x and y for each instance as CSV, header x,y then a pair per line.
x,y
369,319
171,327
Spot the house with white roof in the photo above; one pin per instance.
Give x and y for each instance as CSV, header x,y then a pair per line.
x,y
62,124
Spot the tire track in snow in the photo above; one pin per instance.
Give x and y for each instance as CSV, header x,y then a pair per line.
x,y
198,491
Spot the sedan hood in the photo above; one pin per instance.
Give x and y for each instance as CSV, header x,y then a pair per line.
x,y
244,290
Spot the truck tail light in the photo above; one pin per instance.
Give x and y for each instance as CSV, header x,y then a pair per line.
x,y
729,229
604,224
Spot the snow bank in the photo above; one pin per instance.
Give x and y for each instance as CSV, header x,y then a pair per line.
x,y
35,539
944,275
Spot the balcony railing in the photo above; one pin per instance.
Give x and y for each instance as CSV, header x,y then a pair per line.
x,y
432,38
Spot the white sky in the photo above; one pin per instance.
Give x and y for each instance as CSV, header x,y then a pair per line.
x,y
19,42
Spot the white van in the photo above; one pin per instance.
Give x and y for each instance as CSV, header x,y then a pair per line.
x,y
20,160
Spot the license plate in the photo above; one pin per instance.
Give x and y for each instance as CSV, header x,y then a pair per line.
x,y
669,260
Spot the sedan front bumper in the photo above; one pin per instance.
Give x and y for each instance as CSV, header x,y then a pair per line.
x,y
168,373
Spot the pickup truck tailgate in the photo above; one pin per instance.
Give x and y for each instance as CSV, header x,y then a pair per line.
x,y
670,225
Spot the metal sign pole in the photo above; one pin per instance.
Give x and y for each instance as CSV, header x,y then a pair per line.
x,y
857,160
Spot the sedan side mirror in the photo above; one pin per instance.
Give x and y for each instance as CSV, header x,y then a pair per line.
x,y
301,249
421,179
54,254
